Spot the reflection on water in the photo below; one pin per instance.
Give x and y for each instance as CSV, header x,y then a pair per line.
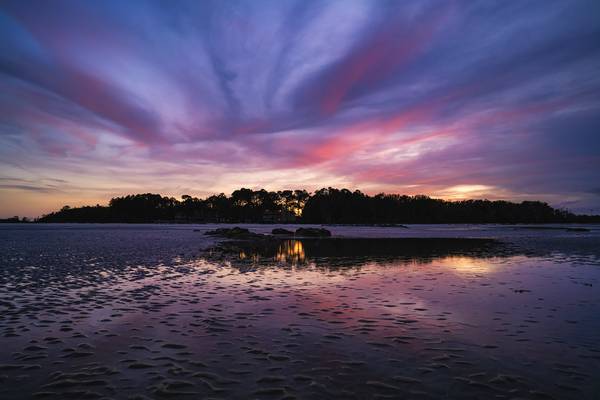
x,y
467,265
354,252
291,251
86,315
288,251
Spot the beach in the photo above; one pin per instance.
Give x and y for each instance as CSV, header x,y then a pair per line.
x,y
163,311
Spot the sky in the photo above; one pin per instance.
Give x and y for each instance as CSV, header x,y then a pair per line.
x,y
452,99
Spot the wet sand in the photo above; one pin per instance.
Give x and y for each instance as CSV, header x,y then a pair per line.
x,y
167,313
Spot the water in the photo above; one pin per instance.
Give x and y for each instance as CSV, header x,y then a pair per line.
x,y
162,311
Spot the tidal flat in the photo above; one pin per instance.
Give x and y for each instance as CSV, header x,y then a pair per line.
x,y
427,312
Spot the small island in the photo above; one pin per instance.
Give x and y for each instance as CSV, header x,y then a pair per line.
x,y
324,206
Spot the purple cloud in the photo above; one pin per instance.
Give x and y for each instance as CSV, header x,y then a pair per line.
x,y
451,99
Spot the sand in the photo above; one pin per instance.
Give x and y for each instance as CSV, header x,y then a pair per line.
x,y
160,312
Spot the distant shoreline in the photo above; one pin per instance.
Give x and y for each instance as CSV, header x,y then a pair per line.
x,y
518,225
325,206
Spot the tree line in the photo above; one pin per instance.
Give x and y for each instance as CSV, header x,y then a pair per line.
x,y
324,206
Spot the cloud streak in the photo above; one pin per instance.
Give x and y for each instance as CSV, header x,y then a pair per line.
x,y
429,97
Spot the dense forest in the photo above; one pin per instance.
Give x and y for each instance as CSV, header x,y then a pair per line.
x,y
325,206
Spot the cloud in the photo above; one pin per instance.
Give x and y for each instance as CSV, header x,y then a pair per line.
x,y
417,97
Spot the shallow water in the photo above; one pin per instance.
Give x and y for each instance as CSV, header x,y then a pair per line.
x,y
120,311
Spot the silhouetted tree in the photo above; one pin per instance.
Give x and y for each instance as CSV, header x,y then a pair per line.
x,y
325,206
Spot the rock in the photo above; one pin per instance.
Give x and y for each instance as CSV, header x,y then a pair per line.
x,y
577,230
313,232
234,233
281,231
393,226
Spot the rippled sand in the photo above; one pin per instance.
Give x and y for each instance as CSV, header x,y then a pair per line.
x,y
153,313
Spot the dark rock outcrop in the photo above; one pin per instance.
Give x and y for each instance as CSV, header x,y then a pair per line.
x,y
392,226
281,231
313,232
234,233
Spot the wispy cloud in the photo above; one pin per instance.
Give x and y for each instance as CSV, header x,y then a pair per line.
x,y
426,97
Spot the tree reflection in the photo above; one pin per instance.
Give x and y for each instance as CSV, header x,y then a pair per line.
x,y
342,252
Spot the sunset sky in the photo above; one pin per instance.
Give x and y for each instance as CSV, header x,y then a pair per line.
x,y
454,99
